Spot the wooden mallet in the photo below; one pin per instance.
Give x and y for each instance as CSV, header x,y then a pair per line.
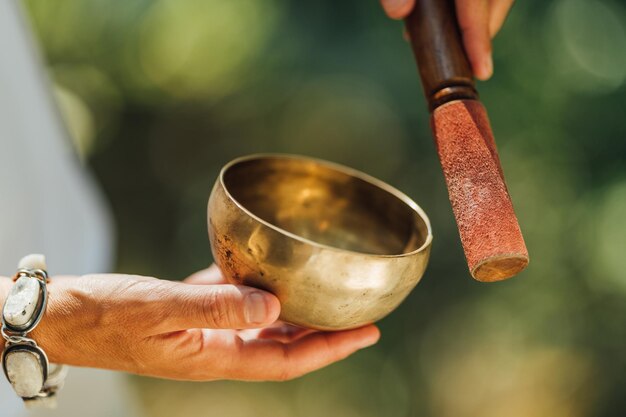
x,y
490,234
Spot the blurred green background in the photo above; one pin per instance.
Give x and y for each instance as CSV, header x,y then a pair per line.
x,y
158,95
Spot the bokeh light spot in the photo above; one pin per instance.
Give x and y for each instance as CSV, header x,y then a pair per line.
x,y
197,49
346,119
78,119
592,40
611,242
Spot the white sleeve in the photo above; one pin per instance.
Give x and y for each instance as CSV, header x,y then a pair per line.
x,y
48,202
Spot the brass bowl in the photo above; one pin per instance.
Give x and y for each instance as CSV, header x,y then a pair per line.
x,y
339,248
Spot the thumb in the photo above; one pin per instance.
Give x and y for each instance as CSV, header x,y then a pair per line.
x,y
186,306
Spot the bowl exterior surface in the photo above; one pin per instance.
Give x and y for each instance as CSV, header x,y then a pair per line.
x,y
319,287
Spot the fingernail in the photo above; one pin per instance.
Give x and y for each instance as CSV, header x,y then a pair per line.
x,y
255,308
369,343
487,67
394,4
370,340
394,7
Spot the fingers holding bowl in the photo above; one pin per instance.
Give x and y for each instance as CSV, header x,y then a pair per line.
x,y
226,355
284,332
266,359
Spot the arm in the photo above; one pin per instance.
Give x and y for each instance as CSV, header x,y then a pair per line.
x,y
181,331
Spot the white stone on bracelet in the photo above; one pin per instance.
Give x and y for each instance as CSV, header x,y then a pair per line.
x,y
22,301
26,366
24,373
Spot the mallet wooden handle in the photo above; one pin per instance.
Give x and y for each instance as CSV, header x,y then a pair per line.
x,y
436,41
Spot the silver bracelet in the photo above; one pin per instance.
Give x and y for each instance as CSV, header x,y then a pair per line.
x,y
25,364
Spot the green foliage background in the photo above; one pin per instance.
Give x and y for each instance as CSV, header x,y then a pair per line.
x,y
160,94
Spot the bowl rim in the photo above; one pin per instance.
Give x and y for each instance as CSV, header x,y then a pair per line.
x,y
341,168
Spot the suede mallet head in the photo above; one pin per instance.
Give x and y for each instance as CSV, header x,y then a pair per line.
x,y
490,234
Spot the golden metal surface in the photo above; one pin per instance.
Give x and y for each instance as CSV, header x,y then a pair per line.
x,y
339,248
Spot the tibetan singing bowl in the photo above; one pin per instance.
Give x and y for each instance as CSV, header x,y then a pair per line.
x,y
338,248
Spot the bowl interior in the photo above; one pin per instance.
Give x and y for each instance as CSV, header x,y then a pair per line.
x,y
326,204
